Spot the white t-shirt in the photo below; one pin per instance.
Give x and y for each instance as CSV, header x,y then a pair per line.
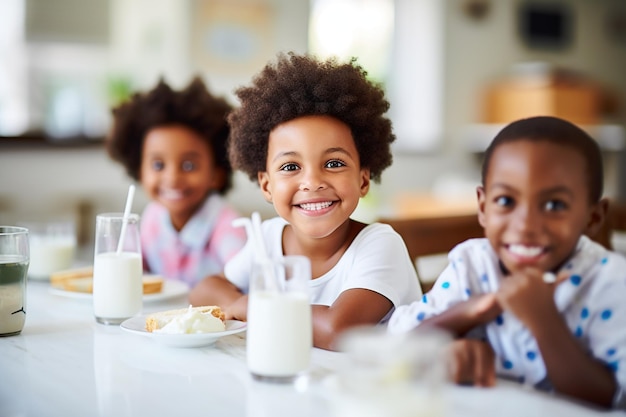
x,y
376,260
592,303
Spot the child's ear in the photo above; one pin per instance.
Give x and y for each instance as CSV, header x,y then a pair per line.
x,y
264,184
365,181
597,217
480,195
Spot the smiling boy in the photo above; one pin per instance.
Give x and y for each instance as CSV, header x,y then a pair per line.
x,y
540,194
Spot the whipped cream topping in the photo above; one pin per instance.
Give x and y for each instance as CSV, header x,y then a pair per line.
x,y
193,321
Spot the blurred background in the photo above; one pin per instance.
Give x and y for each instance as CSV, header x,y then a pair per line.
x,y
455,71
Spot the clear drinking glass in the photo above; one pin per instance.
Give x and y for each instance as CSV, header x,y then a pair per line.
x,y
118,270
390,375
52,247
14,259
279,332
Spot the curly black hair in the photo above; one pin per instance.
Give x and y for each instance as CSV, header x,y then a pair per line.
x,y
558,131
193,107
301,85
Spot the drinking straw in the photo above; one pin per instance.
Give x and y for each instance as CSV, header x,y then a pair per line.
x,y
256,227
255,234
129,203
253,230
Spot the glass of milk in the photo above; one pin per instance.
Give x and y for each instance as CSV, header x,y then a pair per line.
x,y
279,331
52,247
14,257
117,269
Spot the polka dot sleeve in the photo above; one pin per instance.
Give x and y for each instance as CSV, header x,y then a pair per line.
x,y
450,288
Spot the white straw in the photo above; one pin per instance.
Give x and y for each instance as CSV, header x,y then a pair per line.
x,y
256,228
255,235
129,203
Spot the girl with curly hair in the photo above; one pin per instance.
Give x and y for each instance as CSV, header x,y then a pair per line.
x,y
174,144
313,134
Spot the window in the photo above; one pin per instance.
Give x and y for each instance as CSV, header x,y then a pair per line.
x,y
400,44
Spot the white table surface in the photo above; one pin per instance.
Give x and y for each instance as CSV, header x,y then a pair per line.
x,y
65,364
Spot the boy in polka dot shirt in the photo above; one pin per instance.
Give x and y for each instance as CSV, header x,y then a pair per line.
x,y
536,300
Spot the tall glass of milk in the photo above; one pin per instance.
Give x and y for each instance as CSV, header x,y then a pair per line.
x,y
14,257
279,331
117,270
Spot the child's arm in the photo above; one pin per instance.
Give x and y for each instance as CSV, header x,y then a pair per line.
x,y
466,315
218,290
571,370
353,307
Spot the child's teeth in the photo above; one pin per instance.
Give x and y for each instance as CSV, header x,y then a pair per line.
x,y
525,250
315,206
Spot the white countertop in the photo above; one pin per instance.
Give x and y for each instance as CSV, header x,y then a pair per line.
x,y
65,364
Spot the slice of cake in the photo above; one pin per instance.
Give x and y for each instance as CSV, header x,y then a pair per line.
x,y
187,320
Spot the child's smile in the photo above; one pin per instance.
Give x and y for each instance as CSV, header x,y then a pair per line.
x,y
178,171
315,207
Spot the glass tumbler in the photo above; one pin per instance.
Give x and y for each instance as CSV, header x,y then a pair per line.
x,y
14,259
279,332
118,269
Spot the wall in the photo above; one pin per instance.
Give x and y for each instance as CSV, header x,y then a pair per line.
x,y
475,53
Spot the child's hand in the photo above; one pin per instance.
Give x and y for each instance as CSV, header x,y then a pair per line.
x,y
484,308
471,362
237,310
527,296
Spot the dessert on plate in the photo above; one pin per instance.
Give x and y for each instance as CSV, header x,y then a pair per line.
x,y
202,319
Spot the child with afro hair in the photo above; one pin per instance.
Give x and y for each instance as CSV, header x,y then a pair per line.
x,y
313,134
174,144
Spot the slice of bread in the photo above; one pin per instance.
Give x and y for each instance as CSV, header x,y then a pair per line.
x,y
158,320
57,279
82,284
152,284
82,281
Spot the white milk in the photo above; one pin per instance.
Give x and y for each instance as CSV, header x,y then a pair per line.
x,y
117,286
279,333
50,254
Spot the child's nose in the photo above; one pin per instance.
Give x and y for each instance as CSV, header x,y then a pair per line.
x,y
527,219
312,180
171,175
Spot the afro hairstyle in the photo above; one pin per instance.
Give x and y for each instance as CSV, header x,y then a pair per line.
x,y
300,85
193,107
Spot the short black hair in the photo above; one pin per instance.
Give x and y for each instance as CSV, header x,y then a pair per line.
x,y
558,131
301,85
193,107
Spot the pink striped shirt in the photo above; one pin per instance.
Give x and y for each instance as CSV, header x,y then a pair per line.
x,y
201,248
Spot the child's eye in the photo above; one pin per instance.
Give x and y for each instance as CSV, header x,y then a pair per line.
x,y
158,165
289,167
555,205
504,201
335,163
188,166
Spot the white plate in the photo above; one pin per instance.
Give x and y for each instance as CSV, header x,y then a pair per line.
x,y
171,288
137,325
